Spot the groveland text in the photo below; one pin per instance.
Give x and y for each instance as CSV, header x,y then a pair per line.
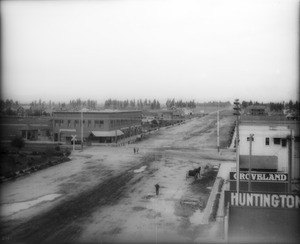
x,y
262,176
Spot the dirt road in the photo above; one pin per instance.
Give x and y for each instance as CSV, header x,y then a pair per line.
x,y
108,194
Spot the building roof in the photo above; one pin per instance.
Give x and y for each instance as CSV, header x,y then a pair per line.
x,y
67,130
97,112
111,133
291,124
275,131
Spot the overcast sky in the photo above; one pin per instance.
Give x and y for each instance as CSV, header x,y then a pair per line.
x,y
183,49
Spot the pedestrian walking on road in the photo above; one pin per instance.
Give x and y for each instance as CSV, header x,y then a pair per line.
x,y
134,150
157,189
137,150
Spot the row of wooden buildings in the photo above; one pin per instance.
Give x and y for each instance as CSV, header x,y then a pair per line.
x,y
107,126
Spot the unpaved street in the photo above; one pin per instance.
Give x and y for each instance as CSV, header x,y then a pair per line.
x,y
108,193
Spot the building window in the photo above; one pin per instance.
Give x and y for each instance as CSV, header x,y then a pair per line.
x,y
83,122
69,123
98,123
62,122
76,123
283,142
57,122
267,141
277,141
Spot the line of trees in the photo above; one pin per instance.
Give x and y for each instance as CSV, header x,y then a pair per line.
x,y
245,104
78,103
214,104
292,105
7,106
38,108
274,106
131,104
180,104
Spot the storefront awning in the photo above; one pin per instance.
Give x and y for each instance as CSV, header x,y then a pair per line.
x,y
111,133
67,130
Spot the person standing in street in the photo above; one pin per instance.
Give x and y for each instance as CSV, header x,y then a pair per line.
x,y
157,189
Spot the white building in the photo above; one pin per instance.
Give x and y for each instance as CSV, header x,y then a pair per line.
x,y
270,147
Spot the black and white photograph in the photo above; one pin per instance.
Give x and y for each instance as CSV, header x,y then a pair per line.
x,y
149,121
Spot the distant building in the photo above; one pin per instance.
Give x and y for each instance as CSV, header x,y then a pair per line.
x,y
98,126
186,112
23,110
30,128
256,110
292,116
165,114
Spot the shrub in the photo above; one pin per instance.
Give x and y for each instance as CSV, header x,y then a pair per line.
x,y
18,142
67,152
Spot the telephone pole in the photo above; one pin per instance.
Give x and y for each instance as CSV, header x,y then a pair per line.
x,y
81,129
237,109
290,159
218,129
250,155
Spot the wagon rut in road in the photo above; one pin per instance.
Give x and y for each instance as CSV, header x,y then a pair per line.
x,y
63,222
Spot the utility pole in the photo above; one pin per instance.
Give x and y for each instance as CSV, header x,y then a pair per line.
x,y
290,160
218,129
116,137
53,139
250,155
81,129
237,113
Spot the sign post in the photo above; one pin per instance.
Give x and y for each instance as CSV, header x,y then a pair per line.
x,y
73,140
291,159
237,113
250,155
218,130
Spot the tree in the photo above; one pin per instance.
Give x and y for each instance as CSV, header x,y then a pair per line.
x,y
244,104
18,142
290,105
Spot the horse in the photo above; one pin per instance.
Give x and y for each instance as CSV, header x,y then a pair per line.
x,y
194,172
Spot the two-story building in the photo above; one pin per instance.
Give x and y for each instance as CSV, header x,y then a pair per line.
x,y
256,110
270,147
96,126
